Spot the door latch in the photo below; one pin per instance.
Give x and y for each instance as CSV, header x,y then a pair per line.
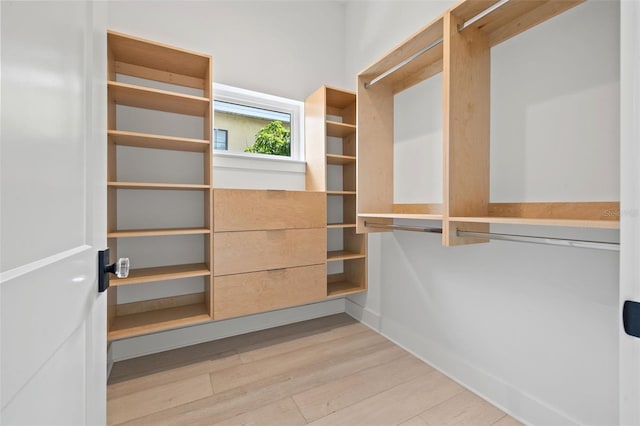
x,y
120,269
631,318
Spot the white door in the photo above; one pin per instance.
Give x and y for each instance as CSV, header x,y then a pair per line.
x,y
630,205
52,212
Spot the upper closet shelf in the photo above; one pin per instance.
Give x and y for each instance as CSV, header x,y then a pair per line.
x,y
160,100
503,19
147,140
156,61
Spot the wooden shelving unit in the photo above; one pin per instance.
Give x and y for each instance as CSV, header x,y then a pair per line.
x,y
331,113
456,44
154,62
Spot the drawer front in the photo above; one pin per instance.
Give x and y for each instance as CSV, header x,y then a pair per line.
x,y
251,251
244,294
251,210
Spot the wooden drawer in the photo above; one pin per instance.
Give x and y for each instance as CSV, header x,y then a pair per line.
x,y
239,252
244,294
251,210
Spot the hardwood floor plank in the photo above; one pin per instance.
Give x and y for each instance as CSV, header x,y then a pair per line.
x,y
507,421
170,375
244,374
323,400
150,401
282,346
463,409
222,406
414,421
280,413
397,404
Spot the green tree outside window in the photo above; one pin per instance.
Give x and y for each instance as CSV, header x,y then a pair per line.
x,y
272,139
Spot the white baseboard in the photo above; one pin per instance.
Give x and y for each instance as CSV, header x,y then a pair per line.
x,y
512,401
364,315
159,342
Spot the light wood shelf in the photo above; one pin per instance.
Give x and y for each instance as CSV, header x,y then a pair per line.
x,y
163,273
342,288
146,140
417,216
336,255
341,192
158,320
160,100
340,130
341,225
151,185
579,223
512,18
157,61
340,160
129,233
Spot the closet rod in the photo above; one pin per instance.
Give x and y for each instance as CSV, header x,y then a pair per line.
x,y
403,227
482,14
403,63
600,245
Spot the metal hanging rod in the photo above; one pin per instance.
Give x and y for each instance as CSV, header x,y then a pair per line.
x,y
600,245
403,63
482,14
403,227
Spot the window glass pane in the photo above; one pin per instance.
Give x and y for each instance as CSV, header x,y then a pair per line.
x,y
220,139
251,129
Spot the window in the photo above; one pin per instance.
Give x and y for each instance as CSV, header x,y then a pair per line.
x,y
220,139
253,123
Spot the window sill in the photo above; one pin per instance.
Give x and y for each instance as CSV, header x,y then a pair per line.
x,y
262,162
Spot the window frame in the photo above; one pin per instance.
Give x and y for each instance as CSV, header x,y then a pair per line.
x,y
236,95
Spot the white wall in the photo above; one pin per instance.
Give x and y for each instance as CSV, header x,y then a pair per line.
x,y
286,49
532,328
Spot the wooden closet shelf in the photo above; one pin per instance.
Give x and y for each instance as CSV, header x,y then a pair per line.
x,y
341,192
344,255
342,288
157,320
340,130
144,53
339,98
578,223
166,186
160,100
401,216
511,18
341,225
146,140
163,273
156,232
340,160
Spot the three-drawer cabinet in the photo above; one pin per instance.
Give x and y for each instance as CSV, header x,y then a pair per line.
x,y
269,250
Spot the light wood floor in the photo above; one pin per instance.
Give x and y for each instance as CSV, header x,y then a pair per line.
x,y
329,371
